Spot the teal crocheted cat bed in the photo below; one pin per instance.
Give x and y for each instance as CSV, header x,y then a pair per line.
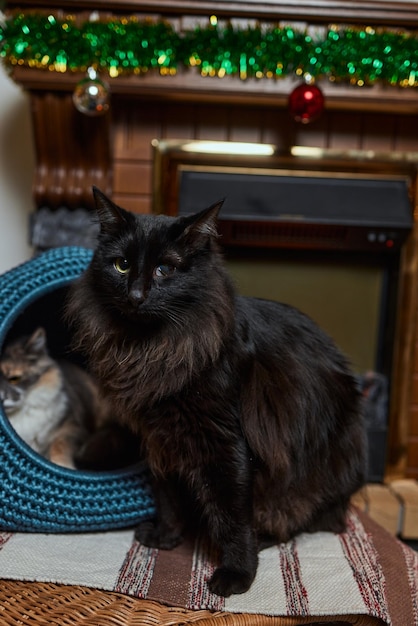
x,y
35,494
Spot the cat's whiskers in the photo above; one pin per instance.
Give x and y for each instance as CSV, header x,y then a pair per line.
x,y
176,318
121,361
119,355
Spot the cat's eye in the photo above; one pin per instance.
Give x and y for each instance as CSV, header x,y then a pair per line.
x,y
164,270
122,265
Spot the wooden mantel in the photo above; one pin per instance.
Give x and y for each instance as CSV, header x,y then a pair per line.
x,y
74,152
188,85
374,12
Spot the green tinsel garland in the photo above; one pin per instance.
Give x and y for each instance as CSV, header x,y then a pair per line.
x,y
361,56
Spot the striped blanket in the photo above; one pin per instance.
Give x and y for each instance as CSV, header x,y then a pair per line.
x,y
362,572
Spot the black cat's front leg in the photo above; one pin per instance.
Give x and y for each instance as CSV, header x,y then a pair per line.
x,y
238,565
166,530
227,509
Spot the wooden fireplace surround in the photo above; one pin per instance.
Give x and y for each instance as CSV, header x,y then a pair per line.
x,y
375,125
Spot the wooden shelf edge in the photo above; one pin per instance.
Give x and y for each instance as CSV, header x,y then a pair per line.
x,y
371,12
190,86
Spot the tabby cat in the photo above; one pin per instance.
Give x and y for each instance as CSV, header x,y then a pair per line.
x,y
247,412
52,405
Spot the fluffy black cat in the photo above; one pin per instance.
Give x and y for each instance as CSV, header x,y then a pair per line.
x,y
248,414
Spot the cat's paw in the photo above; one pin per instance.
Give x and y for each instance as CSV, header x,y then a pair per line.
x,y
226,581
154,535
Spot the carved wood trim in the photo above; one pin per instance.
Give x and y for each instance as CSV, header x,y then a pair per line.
x,y
73,152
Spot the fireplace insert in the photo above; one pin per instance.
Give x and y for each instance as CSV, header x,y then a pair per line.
x,y
324,235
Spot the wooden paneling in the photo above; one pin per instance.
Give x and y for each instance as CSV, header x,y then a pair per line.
x,y
413,422
134,127
411,470
406,134
414,396
245,124
212,123
314,135
131,177
345,131
379,134
134,203
277,128
179,121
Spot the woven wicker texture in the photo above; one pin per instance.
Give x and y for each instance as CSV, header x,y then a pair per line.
x,y
45,604
36,495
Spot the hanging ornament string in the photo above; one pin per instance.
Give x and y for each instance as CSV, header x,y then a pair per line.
x,y
355,55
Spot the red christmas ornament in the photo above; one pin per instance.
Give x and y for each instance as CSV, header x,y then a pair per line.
x,y
306,103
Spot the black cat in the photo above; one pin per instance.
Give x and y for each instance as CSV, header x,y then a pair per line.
x,y
247,412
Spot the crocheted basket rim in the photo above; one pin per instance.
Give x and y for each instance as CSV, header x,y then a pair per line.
x,y
35,494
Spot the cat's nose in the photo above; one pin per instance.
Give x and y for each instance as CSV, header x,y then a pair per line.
x,y
136,296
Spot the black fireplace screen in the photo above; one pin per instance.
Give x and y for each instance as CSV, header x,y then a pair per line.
x,y
311,211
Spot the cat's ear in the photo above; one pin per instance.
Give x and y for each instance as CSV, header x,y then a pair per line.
x,y
111,216
198,227
36,343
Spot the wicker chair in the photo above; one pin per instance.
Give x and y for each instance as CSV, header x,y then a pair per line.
x,y
44,604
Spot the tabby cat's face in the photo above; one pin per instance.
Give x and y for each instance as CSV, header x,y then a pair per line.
x,y
152,268
21,365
